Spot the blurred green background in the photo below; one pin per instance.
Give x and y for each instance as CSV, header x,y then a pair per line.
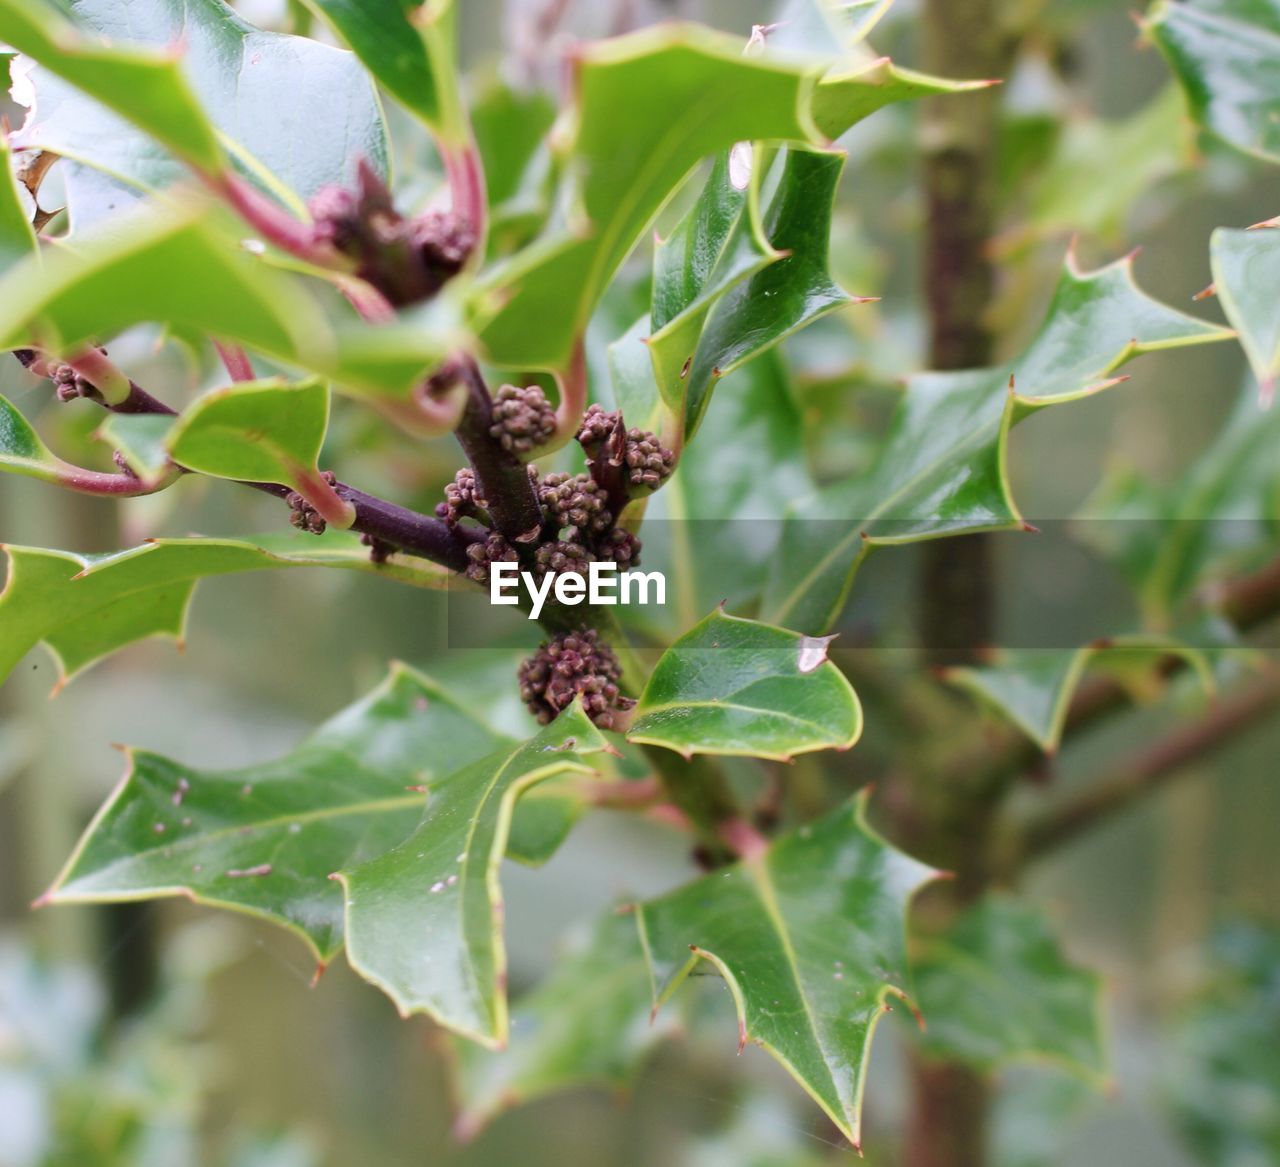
x,y
165,1034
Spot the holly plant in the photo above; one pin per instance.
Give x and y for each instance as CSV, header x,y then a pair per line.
x,y
571,336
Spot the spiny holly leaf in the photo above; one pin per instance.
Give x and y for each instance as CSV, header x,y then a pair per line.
x,y
942,468
636,89
995,988
782,297
1218,519
732,686
214,75
423,920
1033,688
718,244
852,92
124,277
17,237
1225,54
810,938
265,839
410,47
587,1023
142,85
85,607
1246,276
1223,1078
857,82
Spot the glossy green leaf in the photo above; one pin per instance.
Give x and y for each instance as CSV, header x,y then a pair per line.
x,y
1222,1075
849,93
719,243
85,607
996,988
732,686
124,276
1226,54
942,468
809,937
17,236
410,48
211,94
587,1023
1246,275
21,450
1173,542
264,839
144,86
423,920
258,431
784,296
636,89
1033,688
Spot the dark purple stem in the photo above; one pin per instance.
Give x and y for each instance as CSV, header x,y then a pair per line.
x,y
503,478
407,530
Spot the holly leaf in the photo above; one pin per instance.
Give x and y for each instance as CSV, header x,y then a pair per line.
x,y
255,431
411,49
1033,688
1225,55
718,244
194,101
638,89
124,277
856,90
780,297
942,469
996,989
587,1023
22,451
732,686
85,607
1246,276
423,920
141,85
264,839
809,938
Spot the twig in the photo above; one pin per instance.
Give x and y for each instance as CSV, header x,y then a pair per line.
x,y
503,478
1150,769
386,522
